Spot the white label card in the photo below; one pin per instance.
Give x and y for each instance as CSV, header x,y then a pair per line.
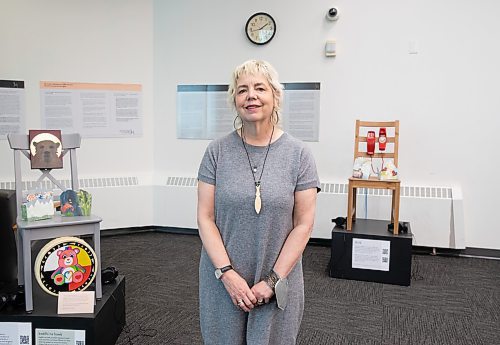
x,y
15,333
59,336
371,254
79,302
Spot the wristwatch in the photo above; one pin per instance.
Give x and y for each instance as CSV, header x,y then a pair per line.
x,y
220,271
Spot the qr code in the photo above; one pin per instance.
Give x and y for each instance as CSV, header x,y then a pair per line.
x,y
384,260
80,342
385,251
24,339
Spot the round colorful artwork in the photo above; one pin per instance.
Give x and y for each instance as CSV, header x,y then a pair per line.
x,y
65,264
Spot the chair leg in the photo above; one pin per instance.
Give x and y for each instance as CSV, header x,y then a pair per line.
x,y
396,196
349,207
20,260
354,200
28,272
393,204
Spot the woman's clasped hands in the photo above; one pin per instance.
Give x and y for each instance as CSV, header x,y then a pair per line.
x,y
242,295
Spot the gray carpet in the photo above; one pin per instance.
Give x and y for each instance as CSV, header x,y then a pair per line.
x,y
450,301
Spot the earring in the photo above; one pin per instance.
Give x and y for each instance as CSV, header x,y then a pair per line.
x,y
275,118
235,120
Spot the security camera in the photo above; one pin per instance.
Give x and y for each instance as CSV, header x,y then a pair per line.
x,y
332,14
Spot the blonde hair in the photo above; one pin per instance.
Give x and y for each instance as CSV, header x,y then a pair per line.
x,y
265,69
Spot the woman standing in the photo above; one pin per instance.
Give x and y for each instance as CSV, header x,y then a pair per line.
x,y
256,203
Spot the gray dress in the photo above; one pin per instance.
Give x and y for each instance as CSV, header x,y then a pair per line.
x,y
253,241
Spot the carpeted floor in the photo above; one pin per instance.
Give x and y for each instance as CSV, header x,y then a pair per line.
x,y
450,301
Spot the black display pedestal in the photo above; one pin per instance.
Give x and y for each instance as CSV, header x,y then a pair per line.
x,y
8,249
101,328
341,262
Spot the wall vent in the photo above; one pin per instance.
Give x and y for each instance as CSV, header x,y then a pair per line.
x,y
7,185
342,188
99,182
435,213
182,181
406,191
435,219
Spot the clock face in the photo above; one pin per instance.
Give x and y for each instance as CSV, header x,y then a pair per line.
x,y
260,28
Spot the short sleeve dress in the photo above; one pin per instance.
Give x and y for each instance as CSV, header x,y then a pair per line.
x,y
253,241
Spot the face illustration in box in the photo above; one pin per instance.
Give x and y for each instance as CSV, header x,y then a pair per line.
x,y
45,149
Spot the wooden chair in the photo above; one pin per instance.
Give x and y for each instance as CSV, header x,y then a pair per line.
x,y
373,182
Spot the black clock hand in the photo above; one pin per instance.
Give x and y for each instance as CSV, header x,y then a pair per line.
x,y
262,27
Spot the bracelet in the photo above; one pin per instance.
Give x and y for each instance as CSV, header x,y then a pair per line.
x,y
271,279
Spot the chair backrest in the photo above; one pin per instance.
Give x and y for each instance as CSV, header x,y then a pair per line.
x,y
392,129
19,143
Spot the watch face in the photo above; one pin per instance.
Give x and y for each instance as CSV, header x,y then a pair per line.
x,y
382,139
220,271
260,28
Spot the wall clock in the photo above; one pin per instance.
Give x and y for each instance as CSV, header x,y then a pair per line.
x,y
260,28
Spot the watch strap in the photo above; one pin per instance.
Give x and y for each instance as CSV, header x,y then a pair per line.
x,y
226,268
220,271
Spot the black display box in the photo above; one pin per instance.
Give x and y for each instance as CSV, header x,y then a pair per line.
x,y
341,260
8,248
101,328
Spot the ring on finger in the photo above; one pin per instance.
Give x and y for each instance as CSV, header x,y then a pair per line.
x,y
260,301
240,302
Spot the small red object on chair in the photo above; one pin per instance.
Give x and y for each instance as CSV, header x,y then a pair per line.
x,y
370,143
382,139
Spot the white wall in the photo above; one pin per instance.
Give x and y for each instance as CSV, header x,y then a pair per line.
x,y
86,41
442,95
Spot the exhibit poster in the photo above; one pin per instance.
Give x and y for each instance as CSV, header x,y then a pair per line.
x,y
203,111
12,107
95,110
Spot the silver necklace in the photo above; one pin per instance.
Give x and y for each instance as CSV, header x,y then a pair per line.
x,y
253,169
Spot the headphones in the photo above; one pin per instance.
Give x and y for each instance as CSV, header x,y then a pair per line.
x,y
12,300
340,222
108,275
402,227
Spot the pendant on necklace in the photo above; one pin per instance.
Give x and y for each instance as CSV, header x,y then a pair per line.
x,y
254,169
258,201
